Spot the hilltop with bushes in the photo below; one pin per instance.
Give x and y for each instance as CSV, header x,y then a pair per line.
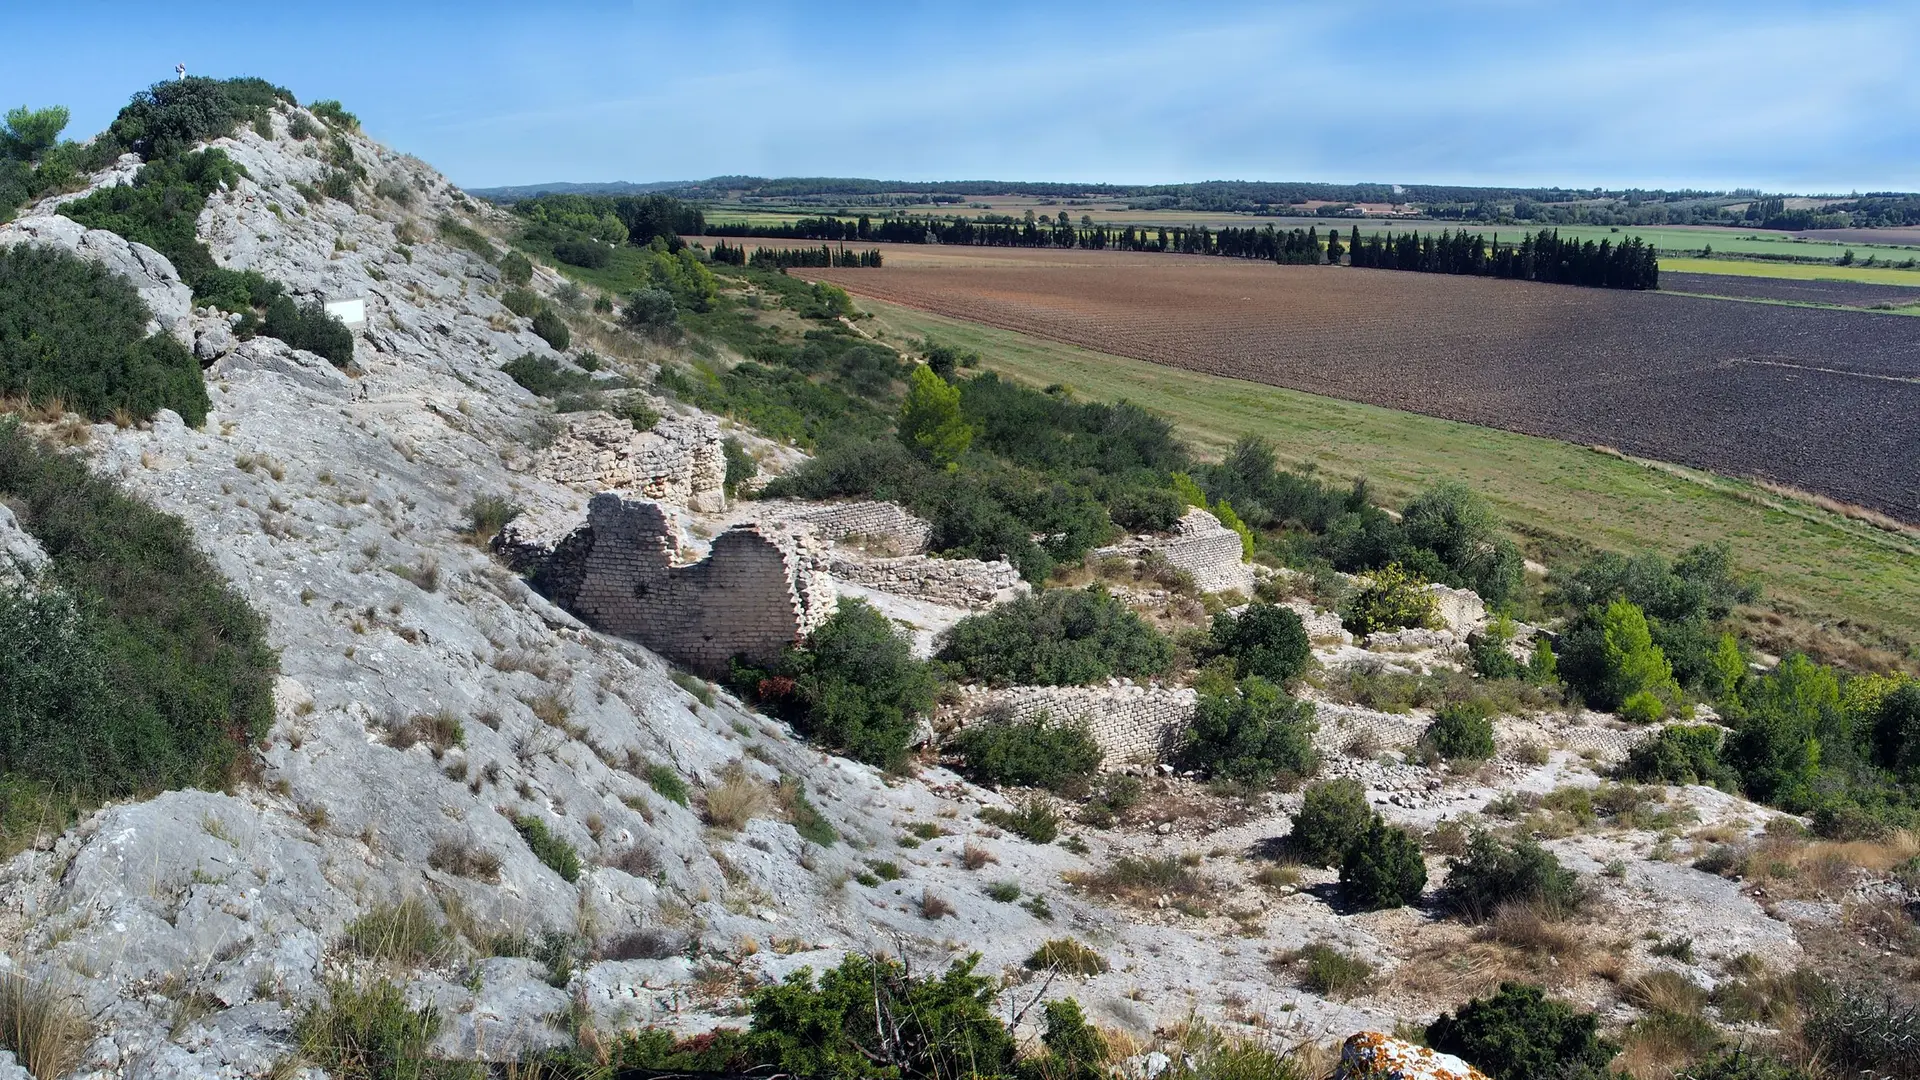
x,y
298,775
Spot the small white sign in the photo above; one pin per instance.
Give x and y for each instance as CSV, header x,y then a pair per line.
x,y
351,312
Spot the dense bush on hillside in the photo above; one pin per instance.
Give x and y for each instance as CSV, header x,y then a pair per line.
x,y
1461,731
1035,752
1609,655
1264,640
1250,733
35,162
1683,601
552,329
169,117
308,326
1333,815
73,332
1492,873
156,675
543,375
1520,1034
1059,637
1383,868
855,687
1393,598
1682,754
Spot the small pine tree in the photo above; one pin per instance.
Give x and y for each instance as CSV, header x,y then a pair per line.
x,y
930,422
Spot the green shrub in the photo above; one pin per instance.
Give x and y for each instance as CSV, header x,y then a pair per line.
x,y
1461,731
1034,752
806,818
1032,820
650,311
661,778
552,328
855,688
741,467
559,855
309,327
72,331
333,113
1329,972
337,185
516,269
1392,598
488,514
371,1034
1075,1049
1333,816
1681,754
522,302
1251,733
870,1014
1068,955
1059,637
1857,1032
544,376
1458,526
1492,873
140,669
1264,640
1743,1064
1383,868
1519,1034
587,254
462,235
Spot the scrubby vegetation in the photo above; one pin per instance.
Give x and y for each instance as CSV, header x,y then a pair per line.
x,y
855,687
1060,637
1251,733
1035,752
1333,816
73,333
1383,868
138,670
1493,873
1519,1033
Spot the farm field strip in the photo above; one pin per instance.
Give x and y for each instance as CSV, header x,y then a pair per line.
x,y
1658,376
1829,568
1810,291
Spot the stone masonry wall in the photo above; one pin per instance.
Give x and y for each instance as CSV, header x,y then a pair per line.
x,y
679,461
757,591
1134,725
962,583
1201,546
888,522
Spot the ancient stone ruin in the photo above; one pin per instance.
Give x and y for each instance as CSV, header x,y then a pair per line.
x,y
1201,546
888,526
679,460
891,556
757,591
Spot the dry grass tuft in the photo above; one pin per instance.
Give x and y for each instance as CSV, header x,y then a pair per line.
x,y
46,1029
1525,927
735,798
933,906
464,859
1662,990
973,856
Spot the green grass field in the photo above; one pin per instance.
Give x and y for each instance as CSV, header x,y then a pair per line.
x,y
1847,578
1871,275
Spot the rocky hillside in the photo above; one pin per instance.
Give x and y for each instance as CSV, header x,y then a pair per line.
x,y
537,827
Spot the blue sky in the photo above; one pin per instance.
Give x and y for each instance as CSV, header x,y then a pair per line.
x,y
1785,96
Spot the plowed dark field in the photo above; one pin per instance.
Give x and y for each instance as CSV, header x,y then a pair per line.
x,y
1842,293
1824,400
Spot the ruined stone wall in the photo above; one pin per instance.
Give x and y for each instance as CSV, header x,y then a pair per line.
x,y
889,523
757,591
963,583
679,461
1201,546
1461,609
1134,725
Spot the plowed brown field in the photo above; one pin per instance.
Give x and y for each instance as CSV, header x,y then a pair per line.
x,y
1824,400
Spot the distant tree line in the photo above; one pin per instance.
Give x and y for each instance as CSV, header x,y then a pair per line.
x,y
781,258
1541,256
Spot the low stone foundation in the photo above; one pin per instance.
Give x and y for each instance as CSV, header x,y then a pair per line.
x,y
758,590
961,583
1134,725
1199,545
679,461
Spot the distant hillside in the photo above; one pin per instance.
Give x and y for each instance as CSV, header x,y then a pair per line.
x,y
616,187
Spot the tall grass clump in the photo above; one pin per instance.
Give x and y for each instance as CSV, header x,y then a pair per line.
x,y
46,1031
